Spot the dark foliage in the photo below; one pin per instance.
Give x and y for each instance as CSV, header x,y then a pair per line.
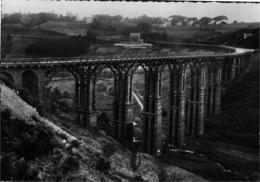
x,y
8,82
73,46
32,152
103,164
22,143
108,150
103,122
58,101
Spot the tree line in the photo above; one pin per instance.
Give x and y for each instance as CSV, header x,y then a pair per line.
x,y
32,19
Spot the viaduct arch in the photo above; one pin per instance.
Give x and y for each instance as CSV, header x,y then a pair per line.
x,y
30,81
196,85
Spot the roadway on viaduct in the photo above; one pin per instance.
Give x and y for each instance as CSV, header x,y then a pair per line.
x,y
189,101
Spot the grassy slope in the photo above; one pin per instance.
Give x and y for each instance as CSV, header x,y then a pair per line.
x,y
67,28
22,37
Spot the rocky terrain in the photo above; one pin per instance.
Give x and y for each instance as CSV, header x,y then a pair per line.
x,y
34,148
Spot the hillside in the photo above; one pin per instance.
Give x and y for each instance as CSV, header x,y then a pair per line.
x,y
21,37
37,149
246,38
68,28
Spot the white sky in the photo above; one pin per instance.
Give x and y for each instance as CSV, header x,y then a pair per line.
x,y
247,12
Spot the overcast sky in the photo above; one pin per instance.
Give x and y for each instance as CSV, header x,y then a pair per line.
x,y
247,12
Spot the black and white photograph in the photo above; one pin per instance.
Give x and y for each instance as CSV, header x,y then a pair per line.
x,y
102,91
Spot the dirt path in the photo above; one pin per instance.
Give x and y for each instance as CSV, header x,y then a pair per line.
x,y
215,160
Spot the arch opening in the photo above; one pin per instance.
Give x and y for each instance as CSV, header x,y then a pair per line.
x,y
30,81
60,91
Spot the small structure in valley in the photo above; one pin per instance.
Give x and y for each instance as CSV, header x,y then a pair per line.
x,y
134,42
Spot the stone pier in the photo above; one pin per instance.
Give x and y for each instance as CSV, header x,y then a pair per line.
x,y
196,101
176,130
152,122
123,115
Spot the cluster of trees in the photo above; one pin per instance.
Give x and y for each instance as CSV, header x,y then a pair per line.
x,y
157,21
32,19
144,18
57,101
178,19
107,18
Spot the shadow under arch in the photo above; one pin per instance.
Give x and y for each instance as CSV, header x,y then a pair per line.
x,y
30,81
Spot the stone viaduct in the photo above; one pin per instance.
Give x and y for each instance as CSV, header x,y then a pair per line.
x,y
196,85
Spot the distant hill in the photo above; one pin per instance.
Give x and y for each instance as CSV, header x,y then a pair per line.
x,y
68,28
21,37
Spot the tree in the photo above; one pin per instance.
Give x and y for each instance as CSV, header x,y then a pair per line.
x,y
204,21
102,18
220,18
157,21
117,18
12,18
176,18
